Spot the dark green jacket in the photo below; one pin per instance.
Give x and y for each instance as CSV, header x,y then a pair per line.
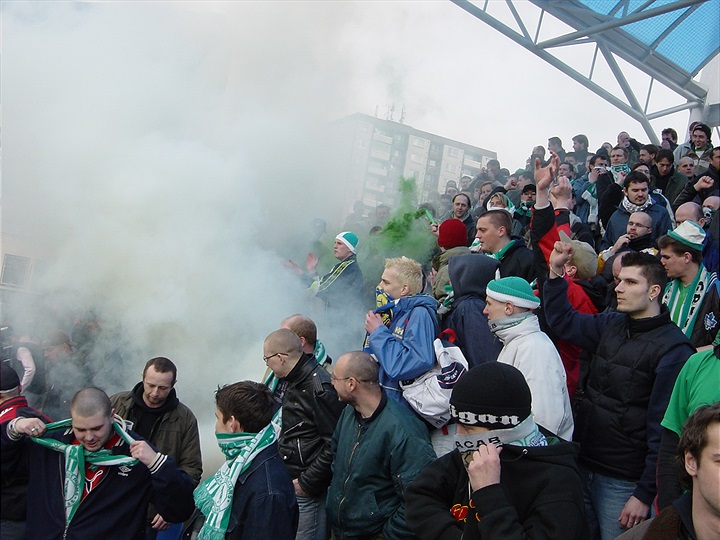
x,y
176,433
375,461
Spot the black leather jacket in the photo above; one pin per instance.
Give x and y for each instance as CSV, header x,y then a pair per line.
x,y
310,411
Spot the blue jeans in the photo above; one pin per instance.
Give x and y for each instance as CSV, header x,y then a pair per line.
x,y
605,498
173,533
312,524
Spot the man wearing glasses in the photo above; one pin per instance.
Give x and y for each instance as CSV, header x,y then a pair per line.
x,y
638,237
379,448
310,410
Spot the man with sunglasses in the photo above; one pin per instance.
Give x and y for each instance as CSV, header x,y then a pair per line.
x,y
310,410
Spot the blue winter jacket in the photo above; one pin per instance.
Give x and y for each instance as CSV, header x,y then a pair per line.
x,y
405,349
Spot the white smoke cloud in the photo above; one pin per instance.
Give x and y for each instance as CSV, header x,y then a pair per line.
x,y
155,156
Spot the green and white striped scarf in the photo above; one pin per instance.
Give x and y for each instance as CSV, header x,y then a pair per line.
x,y
685,315
75,458
214,497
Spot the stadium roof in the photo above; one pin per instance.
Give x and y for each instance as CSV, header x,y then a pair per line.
x,y
669,40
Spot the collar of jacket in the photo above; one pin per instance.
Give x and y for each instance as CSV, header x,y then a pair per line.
x,y
640,326
302,369
523,328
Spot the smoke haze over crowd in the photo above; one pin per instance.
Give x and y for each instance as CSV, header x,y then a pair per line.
x,y
156,154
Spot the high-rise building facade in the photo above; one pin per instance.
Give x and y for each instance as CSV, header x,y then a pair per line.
x,y
370,156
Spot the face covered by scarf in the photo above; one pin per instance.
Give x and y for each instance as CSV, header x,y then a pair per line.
x,y
526,433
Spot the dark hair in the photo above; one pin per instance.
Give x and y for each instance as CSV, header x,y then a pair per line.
x,y
650,149
678,248
638,165
705,129
572,167
163,365
469,201
650,268
555,141
571,155
595,157
582,139
499,218
664,153
694,437
671,132
716,149
635,177
249,402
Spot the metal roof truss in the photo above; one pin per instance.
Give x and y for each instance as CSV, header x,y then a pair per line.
x,y
611,41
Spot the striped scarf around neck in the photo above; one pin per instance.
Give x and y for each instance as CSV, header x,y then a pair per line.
x,y
214,497
690,307
75,458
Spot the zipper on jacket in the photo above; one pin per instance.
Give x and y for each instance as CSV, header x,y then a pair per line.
x,y
302,461
296,426
352,453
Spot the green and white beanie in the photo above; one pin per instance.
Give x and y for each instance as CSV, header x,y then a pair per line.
x,y
350,239
513,289
690,234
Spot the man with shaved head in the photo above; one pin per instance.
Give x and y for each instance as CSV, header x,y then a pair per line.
x,y
89,476
379,448
310,410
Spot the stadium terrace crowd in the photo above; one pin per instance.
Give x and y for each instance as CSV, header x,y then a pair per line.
x,y
550,368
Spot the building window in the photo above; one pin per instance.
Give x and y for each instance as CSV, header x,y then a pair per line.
x,y
453,152
15,270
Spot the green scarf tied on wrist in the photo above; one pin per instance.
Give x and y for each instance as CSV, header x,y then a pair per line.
x,y
75,458
214,497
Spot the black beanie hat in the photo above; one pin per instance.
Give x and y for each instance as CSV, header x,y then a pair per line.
x,y
9,379
492,395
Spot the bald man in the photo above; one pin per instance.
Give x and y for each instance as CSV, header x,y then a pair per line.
x,y
310,410
108,496
379,448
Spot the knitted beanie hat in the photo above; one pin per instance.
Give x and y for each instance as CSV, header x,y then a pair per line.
x,y
513,289
350,239
452,233
689,234
493,395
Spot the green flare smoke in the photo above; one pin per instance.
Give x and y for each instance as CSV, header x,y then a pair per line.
x,y
408,231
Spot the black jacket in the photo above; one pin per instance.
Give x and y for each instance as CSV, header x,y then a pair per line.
x,y
469,275
539,496
310,411
518,261
631,378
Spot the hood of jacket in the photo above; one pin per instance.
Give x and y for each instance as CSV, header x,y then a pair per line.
x,y
441,259
470,274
